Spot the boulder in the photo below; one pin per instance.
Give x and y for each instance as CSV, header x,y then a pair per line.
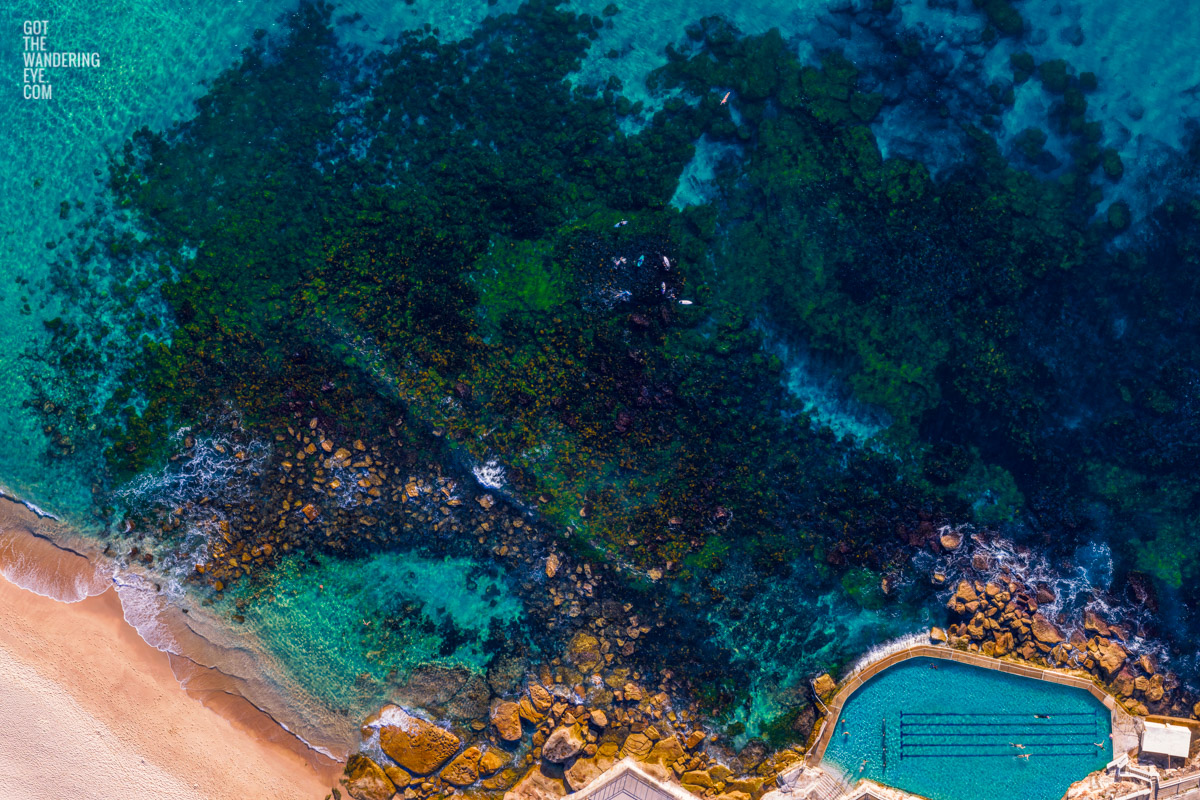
x,y
527,711
824,685
1110,656
506,719
697,777
397,776
586,770
694,739
951,540
1093,623
540,697
1155,691
599,718
366,780
584,652
1004,644
636,745
1125,683
965,593
536,785
936,634
1044,594
563,743
666,751
1046,631
493,760
413,743
463,770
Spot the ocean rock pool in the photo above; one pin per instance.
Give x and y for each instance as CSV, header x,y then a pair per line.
x,y
950,731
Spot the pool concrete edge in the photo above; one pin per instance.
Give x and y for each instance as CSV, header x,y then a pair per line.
x,y
1122,721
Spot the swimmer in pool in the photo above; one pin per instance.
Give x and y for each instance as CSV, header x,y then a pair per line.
x,y
1024,756
1041,716
1018,746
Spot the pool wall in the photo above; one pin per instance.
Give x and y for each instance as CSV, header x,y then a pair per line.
x,y
1125,735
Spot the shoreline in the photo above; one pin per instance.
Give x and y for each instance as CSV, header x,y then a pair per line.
x,y
93,710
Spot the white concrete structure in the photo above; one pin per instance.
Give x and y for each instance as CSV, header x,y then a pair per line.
x,y
1167,740
625,780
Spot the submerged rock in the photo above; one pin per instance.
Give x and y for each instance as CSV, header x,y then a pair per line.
x,y
413,743
366,780
463,770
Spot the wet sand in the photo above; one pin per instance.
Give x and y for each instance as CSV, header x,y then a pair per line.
x,y
89,710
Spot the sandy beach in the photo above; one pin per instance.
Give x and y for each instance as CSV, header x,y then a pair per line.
x,y
89,710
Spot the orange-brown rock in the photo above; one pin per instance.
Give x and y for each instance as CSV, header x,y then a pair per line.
x,y
1155,691
936,634
499,781
463,770
1093,623
398,776
584,652
563,743
1046,631
366,780
506,719
1110,655
540,697
951,540
824,685
1124,683
732,796
633,692
666,751
694,739
493,760
418,746
1004,644
536,785
586,770
599,718
527,711
636,745
697,777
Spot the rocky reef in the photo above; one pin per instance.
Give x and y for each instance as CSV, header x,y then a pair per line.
x,y
554,736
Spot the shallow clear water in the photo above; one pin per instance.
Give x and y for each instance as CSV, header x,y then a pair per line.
x,y
951,732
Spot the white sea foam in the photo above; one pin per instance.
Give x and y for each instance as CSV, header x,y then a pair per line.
x,y
882,651
490,474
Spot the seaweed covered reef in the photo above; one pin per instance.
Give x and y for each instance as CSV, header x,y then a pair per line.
x,y
434,300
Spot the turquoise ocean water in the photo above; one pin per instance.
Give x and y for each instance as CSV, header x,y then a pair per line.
x,y
156,56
